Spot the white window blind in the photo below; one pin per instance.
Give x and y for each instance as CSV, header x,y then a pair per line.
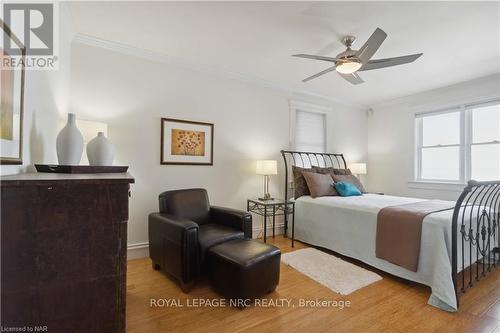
x,y
310,131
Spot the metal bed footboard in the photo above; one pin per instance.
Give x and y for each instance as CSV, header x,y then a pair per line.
x,y
475,234
475,229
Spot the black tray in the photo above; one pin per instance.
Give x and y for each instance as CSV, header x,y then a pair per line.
x,y
54,168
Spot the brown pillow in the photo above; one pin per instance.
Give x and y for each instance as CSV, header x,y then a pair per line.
x,y
349,179
342,171
300,182
320,185
333,171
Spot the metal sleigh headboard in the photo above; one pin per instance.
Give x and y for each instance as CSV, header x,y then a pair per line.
x,y
306,159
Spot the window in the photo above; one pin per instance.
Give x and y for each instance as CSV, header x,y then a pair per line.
x,y
439,149
459,144
308,128
310,131
485,145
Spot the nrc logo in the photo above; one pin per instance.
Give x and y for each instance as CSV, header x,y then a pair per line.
x,y
33,24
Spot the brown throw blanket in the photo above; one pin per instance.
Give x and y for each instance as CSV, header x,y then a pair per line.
x,y
399,229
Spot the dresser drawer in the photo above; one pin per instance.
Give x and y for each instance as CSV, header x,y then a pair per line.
x,y
78,253
70,206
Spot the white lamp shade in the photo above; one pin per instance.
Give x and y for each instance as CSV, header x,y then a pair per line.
x,y
358,168
89,129
267,167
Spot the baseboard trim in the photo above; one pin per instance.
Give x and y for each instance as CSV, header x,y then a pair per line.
x,y
137,250
259,231
141,250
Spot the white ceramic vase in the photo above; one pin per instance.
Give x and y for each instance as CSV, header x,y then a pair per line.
x,y
69,143
100,151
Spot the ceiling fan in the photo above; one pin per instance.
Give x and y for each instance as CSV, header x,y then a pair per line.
x,y
349,62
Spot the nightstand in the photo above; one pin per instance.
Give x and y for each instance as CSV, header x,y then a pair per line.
x,y
272,208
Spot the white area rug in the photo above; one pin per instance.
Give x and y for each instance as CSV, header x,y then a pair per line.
x,y
332,272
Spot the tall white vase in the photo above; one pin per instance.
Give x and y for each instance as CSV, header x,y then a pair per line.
x,y
100,151
69,143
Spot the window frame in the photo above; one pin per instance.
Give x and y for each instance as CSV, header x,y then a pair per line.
x,y
420,146
465,145
470,134
296,106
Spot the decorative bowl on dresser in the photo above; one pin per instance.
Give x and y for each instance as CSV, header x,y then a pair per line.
x,y
64,251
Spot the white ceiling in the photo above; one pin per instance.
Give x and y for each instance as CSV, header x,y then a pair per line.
x,y
460,40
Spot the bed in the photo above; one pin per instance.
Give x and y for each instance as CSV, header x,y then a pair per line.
x,y
458,246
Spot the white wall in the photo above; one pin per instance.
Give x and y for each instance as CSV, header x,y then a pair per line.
x,y
46,99
391,135
131,94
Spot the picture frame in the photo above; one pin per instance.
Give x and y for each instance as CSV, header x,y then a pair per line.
x,y
185,142
11,103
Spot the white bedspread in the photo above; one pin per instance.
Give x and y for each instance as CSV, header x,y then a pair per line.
x,y
348,225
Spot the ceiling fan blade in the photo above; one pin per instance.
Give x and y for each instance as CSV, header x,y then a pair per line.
x,y
388,62
353,78
315,57
371,46
328,70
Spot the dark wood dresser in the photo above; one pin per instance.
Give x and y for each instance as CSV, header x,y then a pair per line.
x,y
64,251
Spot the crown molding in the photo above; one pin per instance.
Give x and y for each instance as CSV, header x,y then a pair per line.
x,y
475,90
292,90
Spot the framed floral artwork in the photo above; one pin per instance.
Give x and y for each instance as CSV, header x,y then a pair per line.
x,y
186,142
11,99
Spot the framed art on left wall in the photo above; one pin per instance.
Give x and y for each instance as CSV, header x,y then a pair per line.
x,y
186,142
11,99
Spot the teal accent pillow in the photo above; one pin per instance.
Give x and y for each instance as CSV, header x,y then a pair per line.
x,y
347,189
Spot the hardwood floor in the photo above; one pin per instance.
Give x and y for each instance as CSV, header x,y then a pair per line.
x,y
389,305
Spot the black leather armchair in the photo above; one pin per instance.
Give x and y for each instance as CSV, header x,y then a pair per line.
x,y
186,227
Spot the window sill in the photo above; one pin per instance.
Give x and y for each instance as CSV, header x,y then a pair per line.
x,y
436,185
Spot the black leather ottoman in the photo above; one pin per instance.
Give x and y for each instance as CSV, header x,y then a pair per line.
x,y
244,268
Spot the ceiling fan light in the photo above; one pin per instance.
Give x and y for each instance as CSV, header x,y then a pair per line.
x,y
348,67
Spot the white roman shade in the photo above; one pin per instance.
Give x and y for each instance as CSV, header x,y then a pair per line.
x,y
310,131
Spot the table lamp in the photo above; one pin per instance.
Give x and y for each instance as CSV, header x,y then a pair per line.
x,y
266,168
358,168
